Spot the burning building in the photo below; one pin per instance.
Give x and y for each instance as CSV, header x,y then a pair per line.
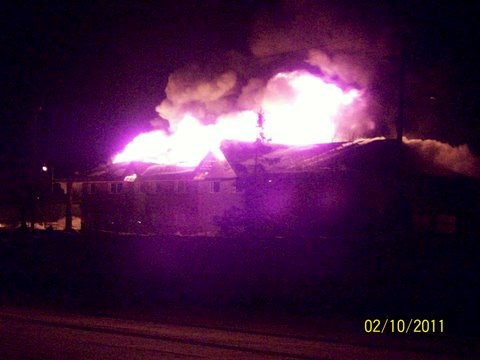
x,y
152,198
276,158
375,185
372,185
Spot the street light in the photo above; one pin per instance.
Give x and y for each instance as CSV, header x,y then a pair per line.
x,y
52,180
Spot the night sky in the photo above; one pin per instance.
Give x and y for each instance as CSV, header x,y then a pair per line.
x,y
79,79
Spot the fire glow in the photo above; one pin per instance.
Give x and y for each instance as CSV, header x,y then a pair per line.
x,y
298,108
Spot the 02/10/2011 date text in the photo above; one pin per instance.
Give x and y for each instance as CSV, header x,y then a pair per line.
x,y
400,326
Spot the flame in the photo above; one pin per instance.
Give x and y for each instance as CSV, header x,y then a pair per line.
x,y
298,108
187,146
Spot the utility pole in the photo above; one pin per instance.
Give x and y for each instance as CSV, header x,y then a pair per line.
x,y
33,168
401,92
68,206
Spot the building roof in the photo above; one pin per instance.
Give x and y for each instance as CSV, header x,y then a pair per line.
x,y
246,158
368,155
214,168
118,172
243,159
210,167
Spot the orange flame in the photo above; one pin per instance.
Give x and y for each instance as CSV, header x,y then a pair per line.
x,y
298,108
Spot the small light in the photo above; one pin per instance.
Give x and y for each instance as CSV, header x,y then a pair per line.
x,y
130,178
44,168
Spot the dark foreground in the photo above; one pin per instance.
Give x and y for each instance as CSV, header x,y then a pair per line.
x,y
313,287
50,335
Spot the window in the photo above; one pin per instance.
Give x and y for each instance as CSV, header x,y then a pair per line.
x,y
164,186
236,188
181,186
239,185
215,186
191,187
116,188
145,187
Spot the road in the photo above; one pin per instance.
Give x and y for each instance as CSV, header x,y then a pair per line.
x,y
35,334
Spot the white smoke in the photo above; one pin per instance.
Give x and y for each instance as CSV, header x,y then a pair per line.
x,y
251,95
316,36
344,45
458,159
203,96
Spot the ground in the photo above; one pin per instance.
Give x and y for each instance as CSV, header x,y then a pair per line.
x,y
103,294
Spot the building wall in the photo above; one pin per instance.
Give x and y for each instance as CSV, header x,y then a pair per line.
x,y
158,206
327,202
444,205
348,201
171,206
111,206
216,197
292,204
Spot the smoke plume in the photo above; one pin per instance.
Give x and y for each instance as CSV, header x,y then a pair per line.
x,y
342,48
203,96
434,153
299,35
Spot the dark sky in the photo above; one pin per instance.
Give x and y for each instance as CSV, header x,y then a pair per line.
x,y
97,69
